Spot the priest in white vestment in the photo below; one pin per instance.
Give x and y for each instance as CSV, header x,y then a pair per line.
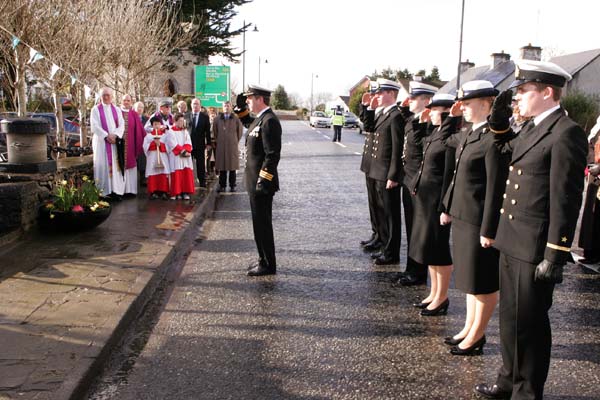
x,y
107,126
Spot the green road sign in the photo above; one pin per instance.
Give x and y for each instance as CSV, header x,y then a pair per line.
x,y
212,84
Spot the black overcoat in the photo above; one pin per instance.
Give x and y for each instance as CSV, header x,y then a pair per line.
x,y
263,150
388,141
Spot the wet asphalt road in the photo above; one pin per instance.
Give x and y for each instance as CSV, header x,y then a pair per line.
x,y
329,325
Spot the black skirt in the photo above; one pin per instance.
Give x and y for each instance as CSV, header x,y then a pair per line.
x,y
475,268
429,241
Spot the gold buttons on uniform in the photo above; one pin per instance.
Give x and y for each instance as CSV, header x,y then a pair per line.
x,y
502,211
511,168
510,217
508,181
516,186
513,202
520,172
504,196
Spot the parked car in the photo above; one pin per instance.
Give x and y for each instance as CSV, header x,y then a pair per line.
x,y
319,119
352,121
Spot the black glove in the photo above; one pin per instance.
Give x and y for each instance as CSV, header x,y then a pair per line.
x,y
499,118
549,272
263,186
240,102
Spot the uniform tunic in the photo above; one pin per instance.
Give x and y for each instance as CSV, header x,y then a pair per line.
x,y
430,241
473,200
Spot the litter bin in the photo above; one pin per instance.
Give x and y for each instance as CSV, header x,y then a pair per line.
x,y
26,140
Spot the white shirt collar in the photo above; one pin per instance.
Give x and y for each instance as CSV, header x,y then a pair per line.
x,y
388,108
479,125
262,112
537,120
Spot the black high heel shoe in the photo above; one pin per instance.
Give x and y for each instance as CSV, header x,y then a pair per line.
x,y
421,305
450,341
442,309
475,350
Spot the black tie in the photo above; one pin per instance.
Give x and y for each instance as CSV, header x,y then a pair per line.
x,y
527,128
195,119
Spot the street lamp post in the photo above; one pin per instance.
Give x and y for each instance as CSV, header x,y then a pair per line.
x,y
312,78
244,54
259,62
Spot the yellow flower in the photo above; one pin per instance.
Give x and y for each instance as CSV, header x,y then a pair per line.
x,y
49,206
51,216
85,178
64,183
103,203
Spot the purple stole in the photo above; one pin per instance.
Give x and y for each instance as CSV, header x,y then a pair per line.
x,y
159,115
105,127
135,139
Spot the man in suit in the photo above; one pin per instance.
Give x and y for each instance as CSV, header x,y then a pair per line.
x,y
263,148
199,128
537,223
386,170
420,95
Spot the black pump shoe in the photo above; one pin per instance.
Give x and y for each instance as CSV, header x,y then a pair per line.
x,y
421,305
450,341
442,309
475,350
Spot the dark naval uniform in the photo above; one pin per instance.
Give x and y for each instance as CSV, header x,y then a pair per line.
x,y
263,148
412,157
368,119
473,199
538,218
386,164
431,241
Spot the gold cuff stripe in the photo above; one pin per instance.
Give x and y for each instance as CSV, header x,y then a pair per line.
x,y
265,175
500,132
557,247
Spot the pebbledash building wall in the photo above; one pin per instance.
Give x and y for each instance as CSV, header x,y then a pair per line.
x,y
181,80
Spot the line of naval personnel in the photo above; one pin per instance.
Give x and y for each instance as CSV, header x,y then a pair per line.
x,y
512,201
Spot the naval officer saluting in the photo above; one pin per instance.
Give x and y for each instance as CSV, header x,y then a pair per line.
x,y
537,223
263,148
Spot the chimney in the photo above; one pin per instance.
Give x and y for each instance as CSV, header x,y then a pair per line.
x,y
499,58
530,52
465,65
417,78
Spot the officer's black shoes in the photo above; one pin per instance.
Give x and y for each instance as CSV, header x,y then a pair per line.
x,y
254,264
261,270
485,391
382,260
376,255
371,247
368,241
442,309
409,279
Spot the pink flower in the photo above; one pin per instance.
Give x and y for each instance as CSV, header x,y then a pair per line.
x,y
77,208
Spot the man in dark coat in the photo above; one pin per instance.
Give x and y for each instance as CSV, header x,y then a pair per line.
x,y
263,148
199,127
387,171
537,223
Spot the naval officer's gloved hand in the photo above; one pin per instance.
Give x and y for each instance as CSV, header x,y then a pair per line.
x,y
263,186
499,118
549,272
240,104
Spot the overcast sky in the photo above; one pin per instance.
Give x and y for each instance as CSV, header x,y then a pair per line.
x,y
341,41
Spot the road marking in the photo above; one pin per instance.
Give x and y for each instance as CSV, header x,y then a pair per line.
x,y
317,131
357,153
339,144
326,137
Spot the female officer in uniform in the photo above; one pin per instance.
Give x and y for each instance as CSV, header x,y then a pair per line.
x,y
473,201
430,240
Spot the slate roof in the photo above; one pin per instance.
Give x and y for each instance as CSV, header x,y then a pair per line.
x,y
573,63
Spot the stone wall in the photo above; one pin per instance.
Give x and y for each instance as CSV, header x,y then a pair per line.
x,y
22,194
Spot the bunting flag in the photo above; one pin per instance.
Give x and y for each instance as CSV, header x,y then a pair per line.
x,y
53,71
15,42
34,56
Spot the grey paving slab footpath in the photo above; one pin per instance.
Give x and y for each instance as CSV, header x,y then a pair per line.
x,y
329,325
65,299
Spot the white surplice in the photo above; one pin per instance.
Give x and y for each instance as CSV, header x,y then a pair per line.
x,y
106,183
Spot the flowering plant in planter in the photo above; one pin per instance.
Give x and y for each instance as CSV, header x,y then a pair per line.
x,y
74,207
69,196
